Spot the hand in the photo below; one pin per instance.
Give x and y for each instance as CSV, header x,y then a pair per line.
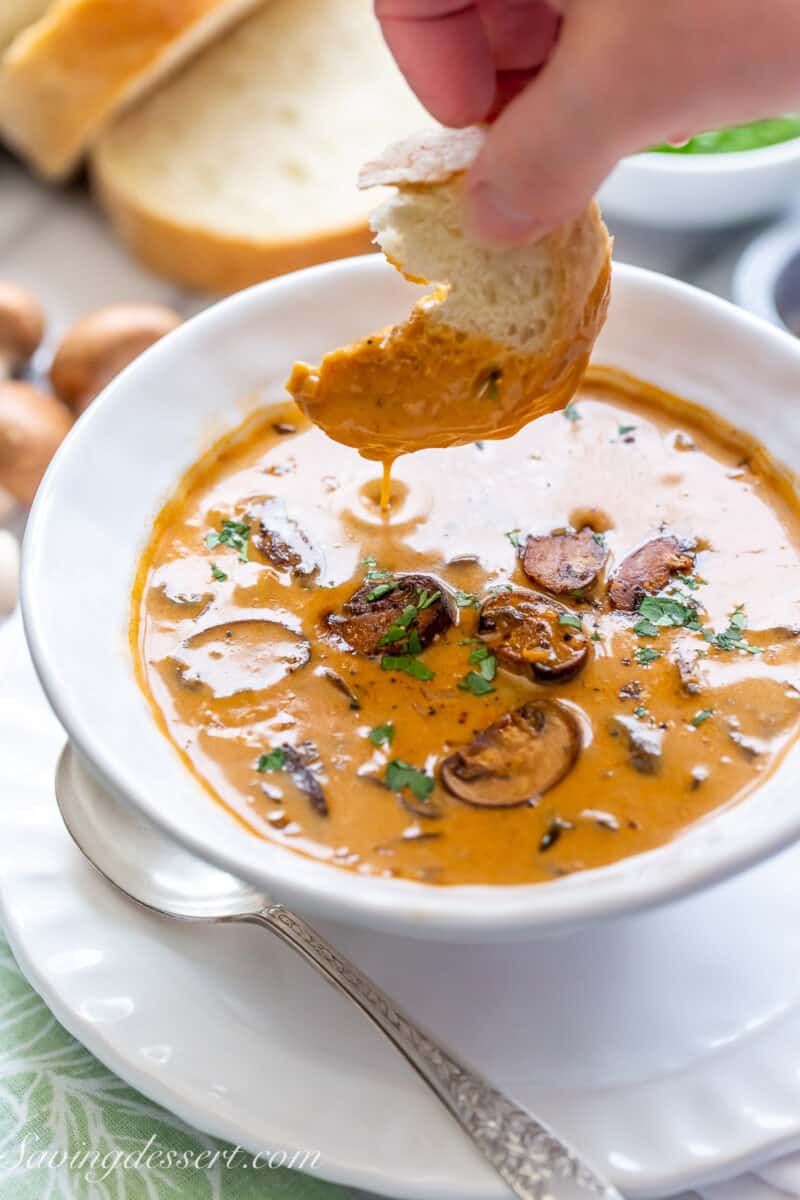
x,y
578,84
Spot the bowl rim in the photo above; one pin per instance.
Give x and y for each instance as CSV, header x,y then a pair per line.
x,y
460,912
709,163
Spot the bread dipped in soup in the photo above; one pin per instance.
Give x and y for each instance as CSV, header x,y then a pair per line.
x,y
505,335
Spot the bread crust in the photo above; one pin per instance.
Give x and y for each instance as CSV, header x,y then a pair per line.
x,y
213,262
469,362
64,78
424,159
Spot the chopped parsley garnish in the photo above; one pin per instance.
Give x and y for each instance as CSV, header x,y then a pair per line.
x,y
513,537
702,716
426,599
691,583
641,711
274,761
600,538
623,429
400,775
370,565
569,618
235,534
645,628
596,636
220,576
645,655
666,610
382,735
405,637
414,644
484,661
499,589
479,682
478,685
383,589
733,637
407,664
398,632
571,412
466,599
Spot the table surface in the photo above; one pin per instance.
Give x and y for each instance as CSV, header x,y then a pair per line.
x,y
54,1096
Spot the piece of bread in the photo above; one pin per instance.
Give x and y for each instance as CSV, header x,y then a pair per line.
x,y
504,337
16,15
245,166
67,76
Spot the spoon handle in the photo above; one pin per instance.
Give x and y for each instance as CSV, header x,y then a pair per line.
x,y
523,1151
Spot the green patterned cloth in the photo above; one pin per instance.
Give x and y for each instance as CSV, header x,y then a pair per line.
x,y
70,1130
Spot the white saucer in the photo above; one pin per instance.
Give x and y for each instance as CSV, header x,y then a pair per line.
x,y
667,1047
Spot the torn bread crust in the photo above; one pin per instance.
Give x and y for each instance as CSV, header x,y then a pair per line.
x,y
427,158
504,335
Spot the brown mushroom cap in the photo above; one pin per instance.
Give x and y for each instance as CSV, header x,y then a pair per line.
x,y
516,759
21,327
647,570
564,562
524,630
99,345
32,426
364,622
282,541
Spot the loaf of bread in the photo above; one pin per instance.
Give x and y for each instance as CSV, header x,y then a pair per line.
x,y
245,165
16,15
66,77
504,336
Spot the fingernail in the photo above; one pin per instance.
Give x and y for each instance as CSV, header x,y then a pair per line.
x,y
491,218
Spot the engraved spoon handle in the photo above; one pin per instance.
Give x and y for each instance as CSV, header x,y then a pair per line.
x,y
527,1155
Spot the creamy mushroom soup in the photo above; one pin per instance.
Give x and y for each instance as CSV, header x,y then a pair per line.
x,y
550,653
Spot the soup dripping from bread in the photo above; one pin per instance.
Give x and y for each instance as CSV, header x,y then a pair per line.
x,y
504,337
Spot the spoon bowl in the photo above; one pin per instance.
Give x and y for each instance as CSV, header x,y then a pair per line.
x,y
133,855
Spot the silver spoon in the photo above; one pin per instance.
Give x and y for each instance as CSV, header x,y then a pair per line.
x,y
159,875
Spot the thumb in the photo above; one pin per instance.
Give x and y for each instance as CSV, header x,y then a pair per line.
x,y
554,144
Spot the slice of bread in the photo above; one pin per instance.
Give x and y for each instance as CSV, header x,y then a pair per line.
x,y
16,15
245,166
504,337
67,76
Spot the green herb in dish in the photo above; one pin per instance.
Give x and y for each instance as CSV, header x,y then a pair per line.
x,y
401,775
752,136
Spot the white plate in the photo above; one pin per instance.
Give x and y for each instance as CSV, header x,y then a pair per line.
x,y
667,1046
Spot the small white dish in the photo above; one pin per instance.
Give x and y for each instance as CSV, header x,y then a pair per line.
x,y
703,191
767,277
95,507
665,1046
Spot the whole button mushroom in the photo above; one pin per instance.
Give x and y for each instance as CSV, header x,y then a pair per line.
x,y
99,345
21,328
32,426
